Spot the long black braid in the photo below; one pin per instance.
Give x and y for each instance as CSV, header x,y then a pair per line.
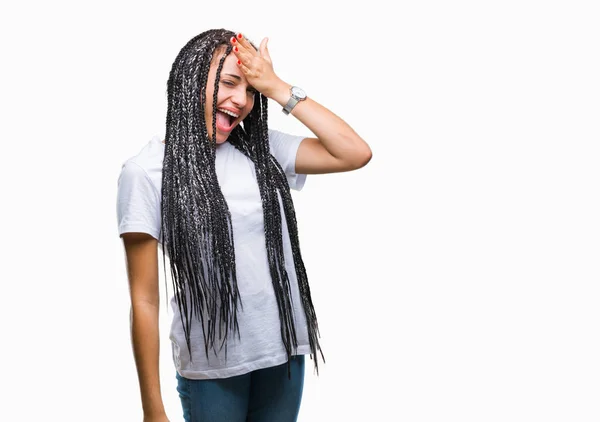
x,y
196,222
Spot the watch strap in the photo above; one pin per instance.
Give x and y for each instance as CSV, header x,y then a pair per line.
x,y
295,98
290,105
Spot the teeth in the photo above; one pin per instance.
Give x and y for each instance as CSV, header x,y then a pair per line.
x,y
229,112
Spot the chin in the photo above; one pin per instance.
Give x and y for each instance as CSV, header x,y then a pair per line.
x,y
222,139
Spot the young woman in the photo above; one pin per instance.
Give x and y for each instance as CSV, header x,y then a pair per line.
x,y
214,196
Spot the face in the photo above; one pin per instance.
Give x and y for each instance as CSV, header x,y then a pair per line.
x,y
234,100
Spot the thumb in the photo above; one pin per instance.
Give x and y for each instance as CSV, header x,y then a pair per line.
x,y
264,51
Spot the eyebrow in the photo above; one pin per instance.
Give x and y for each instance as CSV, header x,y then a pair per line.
x,y
239,79
234,76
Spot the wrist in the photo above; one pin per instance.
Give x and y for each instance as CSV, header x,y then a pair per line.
x,y
280,92
154,412
153,405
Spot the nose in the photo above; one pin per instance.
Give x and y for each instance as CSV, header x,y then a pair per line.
x,y
239,96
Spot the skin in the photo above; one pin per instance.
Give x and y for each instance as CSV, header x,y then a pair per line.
x,y
235,93
141,252
335,148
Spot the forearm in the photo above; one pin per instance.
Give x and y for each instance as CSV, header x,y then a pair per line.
x,y
340,140
145,342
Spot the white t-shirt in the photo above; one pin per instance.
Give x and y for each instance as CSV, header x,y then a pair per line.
x,y
260,345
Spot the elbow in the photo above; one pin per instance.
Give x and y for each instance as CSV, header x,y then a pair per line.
x,y
367,156
362,158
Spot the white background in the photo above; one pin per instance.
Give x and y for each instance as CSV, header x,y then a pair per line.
x,y
455,277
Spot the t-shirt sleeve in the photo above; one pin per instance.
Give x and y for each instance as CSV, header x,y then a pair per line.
x,y
284,148
138,202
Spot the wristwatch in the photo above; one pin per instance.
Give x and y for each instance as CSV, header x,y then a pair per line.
x,y
297,95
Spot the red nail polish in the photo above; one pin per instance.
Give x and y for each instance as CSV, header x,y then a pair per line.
x,y
239,62
240,36
233,40
235,48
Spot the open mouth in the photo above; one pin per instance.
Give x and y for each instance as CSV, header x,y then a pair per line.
x,y
226,119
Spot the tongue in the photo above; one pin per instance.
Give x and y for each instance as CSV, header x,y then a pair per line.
x,y
223,120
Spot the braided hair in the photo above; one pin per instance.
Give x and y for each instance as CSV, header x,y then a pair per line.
x,y
195,219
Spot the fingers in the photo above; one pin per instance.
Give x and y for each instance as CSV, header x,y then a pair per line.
x,y
264,51
243,67
242,49
244,46
238,49
247,55
245,43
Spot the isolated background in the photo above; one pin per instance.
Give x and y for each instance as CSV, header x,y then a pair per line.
x,y
455,277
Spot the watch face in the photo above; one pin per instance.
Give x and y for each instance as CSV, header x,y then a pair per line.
x,y
298,92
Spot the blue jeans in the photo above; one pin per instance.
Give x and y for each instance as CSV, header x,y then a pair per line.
x,y
264,395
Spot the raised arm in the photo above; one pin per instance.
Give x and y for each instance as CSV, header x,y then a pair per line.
x,y
337,147
141,252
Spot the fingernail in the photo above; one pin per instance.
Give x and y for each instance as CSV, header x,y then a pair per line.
x,y
239,62
235,48
240,36
233,40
